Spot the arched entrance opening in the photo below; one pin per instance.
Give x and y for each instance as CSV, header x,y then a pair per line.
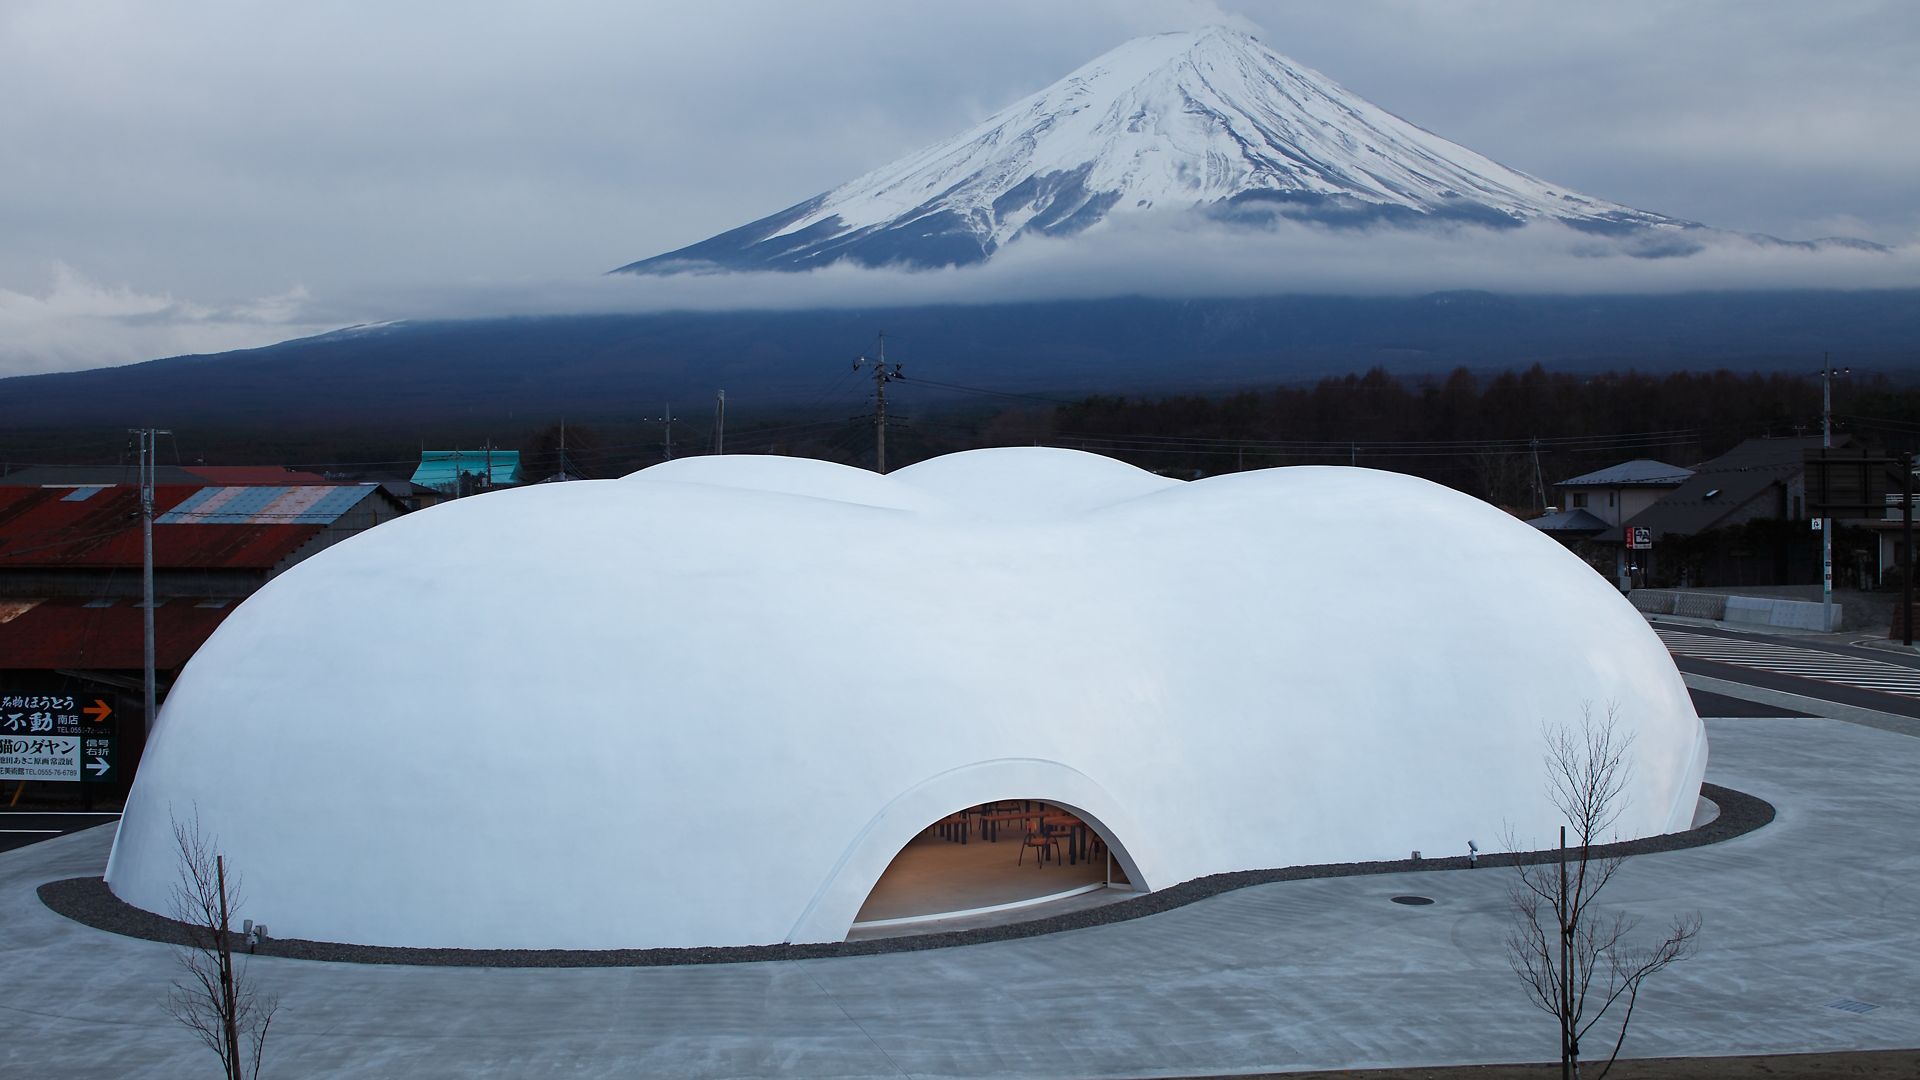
x,y
996,862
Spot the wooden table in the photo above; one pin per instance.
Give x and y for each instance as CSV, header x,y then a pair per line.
x,y
1076,836
990,823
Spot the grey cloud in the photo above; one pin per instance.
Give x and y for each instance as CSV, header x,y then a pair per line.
x,y
76,323
1186,255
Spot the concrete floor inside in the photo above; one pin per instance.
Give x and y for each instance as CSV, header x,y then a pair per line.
x,y
935,876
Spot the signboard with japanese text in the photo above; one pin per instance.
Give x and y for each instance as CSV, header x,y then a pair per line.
x,y
39,757
1639,537
57,737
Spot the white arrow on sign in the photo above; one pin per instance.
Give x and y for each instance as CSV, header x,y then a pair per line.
x,y
99,766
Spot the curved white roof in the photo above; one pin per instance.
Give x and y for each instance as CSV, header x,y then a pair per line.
x,y
706,704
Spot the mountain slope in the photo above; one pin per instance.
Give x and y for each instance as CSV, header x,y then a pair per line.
x,y
417,376
1210,120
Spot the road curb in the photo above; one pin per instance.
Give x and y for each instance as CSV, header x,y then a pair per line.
x,y
1820,707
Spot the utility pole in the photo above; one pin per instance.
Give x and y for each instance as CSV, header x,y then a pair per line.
x,y
720,422
1539,481
1826,524
149,453
668,421
882,375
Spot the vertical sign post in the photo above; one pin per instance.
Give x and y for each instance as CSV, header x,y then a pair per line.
x,y
1639,538
1906,534
1852,483
1824,525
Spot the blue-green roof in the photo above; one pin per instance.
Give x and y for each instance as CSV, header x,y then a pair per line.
x,y
442,468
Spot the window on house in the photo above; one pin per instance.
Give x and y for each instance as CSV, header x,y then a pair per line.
x,y
1609,498
1579,499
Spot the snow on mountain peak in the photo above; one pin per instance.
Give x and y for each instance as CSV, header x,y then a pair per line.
x,y
1207,120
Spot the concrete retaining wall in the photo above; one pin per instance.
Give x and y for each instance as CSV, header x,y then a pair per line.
x,y
1654,601
1790,614
1747,610
1700,605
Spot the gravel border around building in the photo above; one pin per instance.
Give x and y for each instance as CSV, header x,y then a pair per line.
x,y
87,900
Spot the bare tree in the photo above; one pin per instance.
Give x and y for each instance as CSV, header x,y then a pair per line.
x,y
215,998
1576,962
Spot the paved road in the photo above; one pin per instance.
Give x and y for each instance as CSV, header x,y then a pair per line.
x,y
1809,921
1847,644
1862,678
1711,704
1813,912
18,828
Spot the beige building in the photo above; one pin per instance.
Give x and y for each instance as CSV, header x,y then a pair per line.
x,y
1618,493
1595,507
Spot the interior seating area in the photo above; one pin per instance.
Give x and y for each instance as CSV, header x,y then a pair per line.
x,y
996,862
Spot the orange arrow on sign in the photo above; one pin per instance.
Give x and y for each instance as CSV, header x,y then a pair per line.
x,y
99,710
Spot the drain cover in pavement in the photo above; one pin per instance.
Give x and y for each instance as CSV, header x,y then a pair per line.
x,y
1413,901
1852,1006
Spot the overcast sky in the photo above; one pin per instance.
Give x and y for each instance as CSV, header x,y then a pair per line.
x,y
205,174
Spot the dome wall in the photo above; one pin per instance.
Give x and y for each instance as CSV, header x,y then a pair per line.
x,y
706,704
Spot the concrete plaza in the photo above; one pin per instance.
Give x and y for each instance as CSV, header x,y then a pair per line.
x,y
1821,906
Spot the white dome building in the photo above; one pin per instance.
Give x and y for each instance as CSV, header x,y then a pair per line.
x,y
708,703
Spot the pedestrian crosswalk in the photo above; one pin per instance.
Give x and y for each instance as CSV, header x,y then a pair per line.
x,y
1840,670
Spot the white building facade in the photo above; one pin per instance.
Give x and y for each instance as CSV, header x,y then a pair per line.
x,y
708,703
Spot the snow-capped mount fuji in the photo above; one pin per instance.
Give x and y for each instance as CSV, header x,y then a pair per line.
x,y
1209,120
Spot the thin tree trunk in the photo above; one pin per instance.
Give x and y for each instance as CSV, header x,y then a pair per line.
x,y
1567,1071
227,1017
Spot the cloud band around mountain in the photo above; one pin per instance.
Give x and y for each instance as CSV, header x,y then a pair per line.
x,y
78,323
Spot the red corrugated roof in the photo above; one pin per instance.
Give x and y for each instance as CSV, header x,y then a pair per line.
x,y
48,527
49,634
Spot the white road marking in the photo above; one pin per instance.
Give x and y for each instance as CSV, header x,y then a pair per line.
x,y
1826,667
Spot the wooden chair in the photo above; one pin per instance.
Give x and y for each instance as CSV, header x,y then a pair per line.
x,y
1096,847
1041,843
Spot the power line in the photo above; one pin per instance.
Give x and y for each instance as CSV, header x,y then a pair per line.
x,y
1672,435
1348,448
918,381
